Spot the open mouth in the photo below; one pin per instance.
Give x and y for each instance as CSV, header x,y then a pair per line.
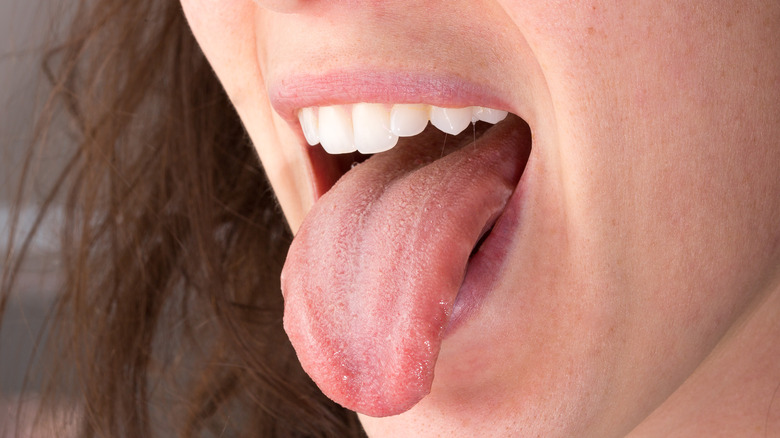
x,y
350,134
401,248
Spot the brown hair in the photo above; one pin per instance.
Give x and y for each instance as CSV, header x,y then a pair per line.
x,y
169,317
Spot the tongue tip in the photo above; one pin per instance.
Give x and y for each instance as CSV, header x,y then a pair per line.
x,y
368,382
375,396
383,409
385,404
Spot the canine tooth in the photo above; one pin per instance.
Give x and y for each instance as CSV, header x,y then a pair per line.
x,y
451,120
335,126
371,125
488,114
407,120
308,119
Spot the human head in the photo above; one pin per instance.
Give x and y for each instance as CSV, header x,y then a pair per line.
x,y
645,235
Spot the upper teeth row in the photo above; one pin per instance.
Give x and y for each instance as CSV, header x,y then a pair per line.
x,y
374,127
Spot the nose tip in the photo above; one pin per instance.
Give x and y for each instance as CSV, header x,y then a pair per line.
x,y
283,6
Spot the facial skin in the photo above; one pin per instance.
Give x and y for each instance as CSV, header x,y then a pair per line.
x,y
642,291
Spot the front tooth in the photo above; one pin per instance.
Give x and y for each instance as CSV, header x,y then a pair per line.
x,y
371,124
336,136
450,120
308,119
488,114
407,120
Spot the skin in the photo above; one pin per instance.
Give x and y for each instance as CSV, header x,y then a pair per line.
x,y
642,291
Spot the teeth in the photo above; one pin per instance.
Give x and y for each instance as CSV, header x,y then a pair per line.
x,y
336,134
407,120
371,125
372,128
310,125
451,120
487,114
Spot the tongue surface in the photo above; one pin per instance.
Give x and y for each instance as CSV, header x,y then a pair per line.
x,y
371,276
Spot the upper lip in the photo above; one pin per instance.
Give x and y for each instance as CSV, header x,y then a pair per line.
x,y
292,93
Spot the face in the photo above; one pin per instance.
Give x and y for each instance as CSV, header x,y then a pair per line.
x,y
625,211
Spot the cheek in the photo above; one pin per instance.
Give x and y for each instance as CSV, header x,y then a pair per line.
x,y
668,158
665,142
226,32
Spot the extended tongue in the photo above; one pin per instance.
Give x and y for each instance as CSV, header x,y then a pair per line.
x,y
371,277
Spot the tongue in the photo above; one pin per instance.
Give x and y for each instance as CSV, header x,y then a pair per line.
x,y
372,275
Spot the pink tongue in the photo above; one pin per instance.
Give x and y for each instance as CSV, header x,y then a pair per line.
x,y
372,274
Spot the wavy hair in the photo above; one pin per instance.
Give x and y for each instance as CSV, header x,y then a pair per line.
x,y
168,321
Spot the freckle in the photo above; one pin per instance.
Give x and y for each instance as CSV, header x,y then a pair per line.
x,y
591,31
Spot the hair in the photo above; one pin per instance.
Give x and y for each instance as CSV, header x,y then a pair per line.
x,y
168,321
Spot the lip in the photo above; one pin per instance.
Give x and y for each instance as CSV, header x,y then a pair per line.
x,y
483,269
291,93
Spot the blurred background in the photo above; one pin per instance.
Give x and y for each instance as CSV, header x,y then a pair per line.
x,y
25,26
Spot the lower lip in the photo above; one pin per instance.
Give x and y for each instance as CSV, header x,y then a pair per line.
x,y
484,268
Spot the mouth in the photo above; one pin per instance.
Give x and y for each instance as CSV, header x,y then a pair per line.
x,y
409,236
350,134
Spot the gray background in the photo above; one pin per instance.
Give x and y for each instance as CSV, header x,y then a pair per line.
x,y
24,27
